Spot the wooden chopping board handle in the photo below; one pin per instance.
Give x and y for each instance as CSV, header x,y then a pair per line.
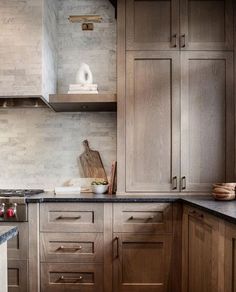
x,y
86,145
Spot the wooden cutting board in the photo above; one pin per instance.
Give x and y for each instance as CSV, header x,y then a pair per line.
x,y
91,163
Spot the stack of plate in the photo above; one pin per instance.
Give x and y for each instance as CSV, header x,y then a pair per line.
x,y
224,191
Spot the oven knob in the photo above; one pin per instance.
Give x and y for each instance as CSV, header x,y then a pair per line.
x,y
11,212
2,210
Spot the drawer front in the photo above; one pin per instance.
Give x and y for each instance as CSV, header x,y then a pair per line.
x,y
69,217
71,277
17,276
139,217
17,247
73,247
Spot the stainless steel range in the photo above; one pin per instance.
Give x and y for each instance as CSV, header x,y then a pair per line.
x,y
13,206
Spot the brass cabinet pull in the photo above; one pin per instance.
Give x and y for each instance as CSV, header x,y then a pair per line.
x,y
139,218
183,40
183,183
70,280
69,249
117,247
196,214
174,183
68,218
174,40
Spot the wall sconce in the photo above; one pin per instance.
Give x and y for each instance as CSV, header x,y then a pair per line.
x,y
86,20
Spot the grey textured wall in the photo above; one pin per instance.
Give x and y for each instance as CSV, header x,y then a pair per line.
x,y
49,48
39,148
20,47
96,48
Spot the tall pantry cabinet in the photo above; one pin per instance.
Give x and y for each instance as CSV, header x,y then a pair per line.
x,y
175,95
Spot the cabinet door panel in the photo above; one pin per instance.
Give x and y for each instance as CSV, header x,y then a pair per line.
x,y
152,121
207,131
230,258
142,263
202,254
207,24
152,25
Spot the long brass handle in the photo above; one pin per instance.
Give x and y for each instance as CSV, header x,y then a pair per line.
x,y
183,41
174,40
68,218
117,247
70,280
174,183
69,248
183,183
140,218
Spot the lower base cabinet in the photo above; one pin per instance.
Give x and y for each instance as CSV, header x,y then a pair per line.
x,y
141,262
203,252
230,258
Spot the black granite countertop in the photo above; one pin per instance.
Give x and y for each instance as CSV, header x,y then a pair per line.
x,y
223,209
94,198
7,232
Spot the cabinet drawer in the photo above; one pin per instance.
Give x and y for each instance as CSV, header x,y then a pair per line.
x,y
17,247
143,218
73,247
69,217
17,276
71,277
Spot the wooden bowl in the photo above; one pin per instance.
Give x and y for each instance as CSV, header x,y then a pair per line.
x,y
224,191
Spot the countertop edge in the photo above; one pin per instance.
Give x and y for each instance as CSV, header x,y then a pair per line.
x,y
9,234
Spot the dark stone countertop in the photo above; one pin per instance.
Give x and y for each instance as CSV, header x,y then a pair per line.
x,y
94,198
7,232
223,209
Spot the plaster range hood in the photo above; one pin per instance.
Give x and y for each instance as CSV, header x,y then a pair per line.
x,y
23,102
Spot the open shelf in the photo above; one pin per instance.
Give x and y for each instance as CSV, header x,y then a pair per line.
x,y
83,102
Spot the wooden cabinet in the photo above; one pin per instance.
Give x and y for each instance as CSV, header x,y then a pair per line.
x,y
206,25
230,257
72,247
207,119
152,25
152,121
141,262
200,25
203,255
176,114
144,254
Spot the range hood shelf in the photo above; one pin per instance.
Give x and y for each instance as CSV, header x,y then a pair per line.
x,y
103,102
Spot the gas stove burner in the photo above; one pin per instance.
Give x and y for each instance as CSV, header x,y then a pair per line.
x,y
19,192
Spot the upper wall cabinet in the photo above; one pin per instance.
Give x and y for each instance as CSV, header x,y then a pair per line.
x,y
152,25
152,121
207,119
206,25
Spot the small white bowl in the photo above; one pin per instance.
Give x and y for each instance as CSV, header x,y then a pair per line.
x,y
99,189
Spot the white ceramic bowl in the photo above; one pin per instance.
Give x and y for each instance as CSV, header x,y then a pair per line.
x,y
99,189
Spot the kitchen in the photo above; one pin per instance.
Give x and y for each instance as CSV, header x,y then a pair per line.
x,y
163,107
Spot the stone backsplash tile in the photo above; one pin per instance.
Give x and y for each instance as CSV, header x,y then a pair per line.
x,y
39,148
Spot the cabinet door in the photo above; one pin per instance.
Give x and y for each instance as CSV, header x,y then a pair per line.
x,y
207,119
230,258
141,262
152,121
202,256
206,25
152,24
